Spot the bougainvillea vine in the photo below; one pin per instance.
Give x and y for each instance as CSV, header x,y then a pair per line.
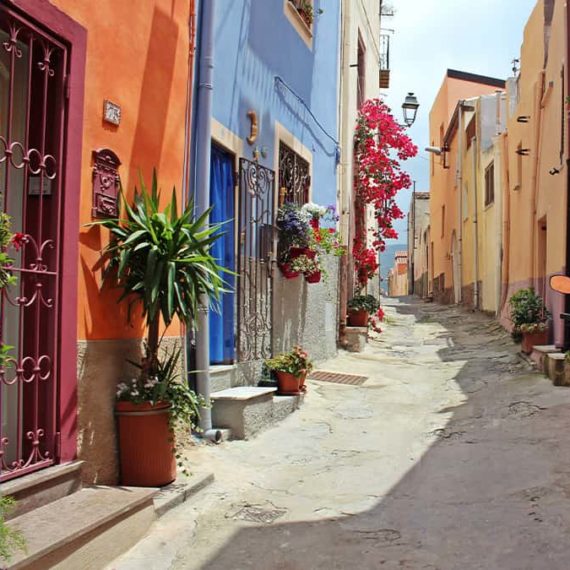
x,y
380,146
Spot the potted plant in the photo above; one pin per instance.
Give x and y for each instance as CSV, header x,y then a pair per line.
x,y
161,260
360,307
529,317
291,369
294,237
305,9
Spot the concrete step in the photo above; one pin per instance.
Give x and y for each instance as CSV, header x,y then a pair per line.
x,y
556,369
222,377
42,487
180,491
86,530
246,410
539,353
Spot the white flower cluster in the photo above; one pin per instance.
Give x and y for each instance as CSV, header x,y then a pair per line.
x,y
313,210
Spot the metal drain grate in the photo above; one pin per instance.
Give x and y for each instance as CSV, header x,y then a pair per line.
x,y
338,377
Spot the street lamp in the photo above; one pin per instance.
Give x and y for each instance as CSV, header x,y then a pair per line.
x,y
410,108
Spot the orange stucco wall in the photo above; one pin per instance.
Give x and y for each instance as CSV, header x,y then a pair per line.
x,y
537,212
443,181
137,57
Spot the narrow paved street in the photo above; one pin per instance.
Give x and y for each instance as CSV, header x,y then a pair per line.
x,y
453,455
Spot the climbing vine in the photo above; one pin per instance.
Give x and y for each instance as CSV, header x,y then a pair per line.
x,y
380,146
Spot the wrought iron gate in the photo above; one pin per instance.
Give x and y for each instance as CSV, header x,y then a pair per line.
x,y
32,118
256,242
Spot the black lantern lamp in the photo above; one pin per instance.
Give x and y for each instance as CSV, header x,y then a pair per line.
x,y
410,107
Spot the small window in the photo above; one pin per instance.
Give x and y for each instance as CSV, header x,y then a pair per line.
x,y
490,184
294,178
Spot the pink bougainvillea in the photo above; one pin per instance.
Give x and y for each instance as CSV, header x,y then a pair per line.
x,y
380,146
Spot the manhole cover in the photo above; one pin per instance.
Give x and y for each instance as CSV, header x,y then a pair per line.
x,y
257,514
338,377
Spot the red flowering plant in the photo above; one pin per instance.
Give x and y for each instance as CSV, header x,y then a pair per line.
x,y
380,146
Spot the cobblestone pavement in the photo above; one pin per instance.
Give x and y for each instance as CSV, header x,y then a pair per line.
x,y
453,455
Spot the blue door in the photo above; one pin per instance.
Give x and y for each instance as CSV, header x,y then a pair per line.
x,y
222,198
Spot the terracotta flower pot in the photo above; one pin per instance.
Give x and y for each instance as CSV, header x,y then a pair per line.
x,y
287,272
358,318
314,277
530,340
146,451
287,384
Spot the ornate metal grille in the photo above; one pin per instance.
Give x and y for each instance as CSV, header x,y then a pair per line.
x,y
294,178
256,240
32,118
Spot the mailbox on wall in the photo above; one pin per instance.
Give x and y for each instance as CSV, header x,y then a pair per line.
x,y
106,183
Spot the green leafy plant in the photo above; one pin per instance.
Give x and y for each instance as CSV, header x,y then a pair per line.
x,y
10,540
6,237
527,311
296,362
367,303
161,260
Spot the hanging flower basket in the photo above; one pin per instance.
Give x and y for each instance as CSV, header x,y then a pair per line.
x,y
314,277
287,272
295,252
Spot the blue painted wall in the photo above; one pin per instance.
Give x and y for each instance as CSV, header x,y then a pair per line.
x,y
256,42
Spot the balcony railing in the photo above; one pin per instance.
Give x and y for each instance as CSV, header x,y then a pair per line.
x,y
384,61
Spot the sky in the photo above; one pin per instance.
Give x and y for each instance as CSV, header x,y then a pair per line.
x,y
431,36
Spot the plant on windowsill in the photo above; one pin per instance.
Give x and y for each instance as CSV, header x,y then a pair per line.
x,y
161,260
530,319
360,307
294,237
291,369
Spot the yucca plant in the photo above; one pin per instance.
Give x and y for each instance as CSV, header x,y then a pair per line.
x,y
161,260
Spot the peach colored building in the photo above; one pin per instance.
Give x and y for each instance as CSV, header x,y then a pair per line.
x,y
536,177
447,127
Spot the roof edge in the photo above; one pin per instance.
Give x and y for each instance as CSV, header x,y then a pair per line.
x,y
475,78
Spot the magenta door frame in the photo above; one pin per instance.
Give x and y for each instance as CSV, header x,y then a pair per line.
x,y
75,36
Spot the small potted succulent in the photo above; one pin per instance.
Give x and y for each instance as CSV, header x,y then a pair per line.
x,y
360,307
291,369
530,319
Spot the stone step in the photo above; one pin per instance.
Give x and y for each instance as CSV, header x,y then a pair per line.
x,y
539,353
222,377
555,369
86,530
248,410
42,487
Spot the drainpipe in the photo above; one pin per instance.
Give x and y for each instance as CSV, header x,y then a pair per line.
x,y
460,200
474,142
506,200
345,265
499,202
538,91
203,139
567,66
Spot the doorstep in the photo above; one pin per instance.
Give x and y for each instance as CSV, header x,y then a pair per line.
x,y
180,491
539,353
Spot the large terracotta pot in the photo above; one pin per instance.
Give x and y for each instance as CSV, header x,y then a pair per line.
x,y
358,318
287,384
146,450
530,340
302,378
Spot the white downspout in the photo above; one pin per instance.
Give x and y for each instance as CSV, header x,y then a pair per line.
x,y
460,201
474,142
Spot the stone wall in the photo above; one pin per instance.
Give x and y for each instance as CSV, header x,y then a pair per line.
x,y
307,314
101,365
